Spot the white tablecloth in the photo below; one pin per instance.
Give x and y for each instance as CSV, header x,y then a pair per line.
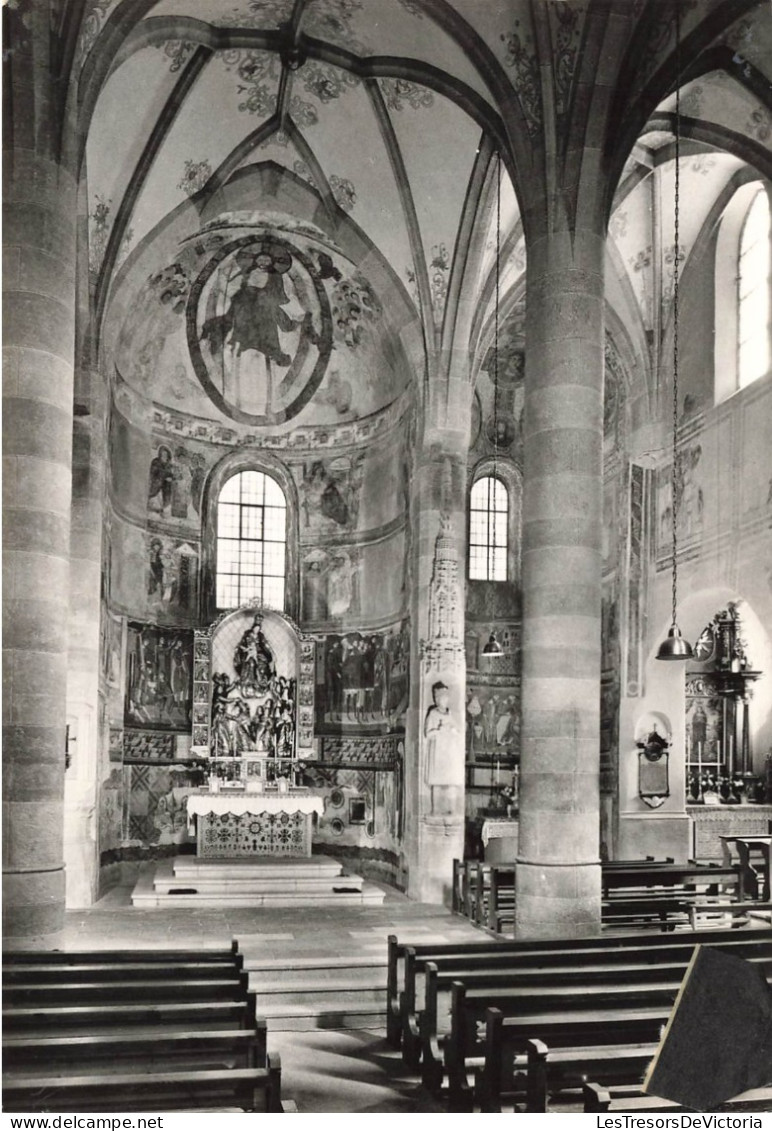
x,y
493,829
237,804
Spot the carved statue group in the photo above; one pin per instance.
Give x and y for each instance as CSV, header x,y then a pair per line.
x,y
255,712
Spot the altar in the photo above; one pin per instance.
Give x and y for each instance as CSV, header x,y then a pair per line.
x,y
253,689
253,824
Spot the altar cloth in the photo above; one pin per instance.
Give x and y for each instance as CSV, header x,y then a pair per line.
x,y
239,804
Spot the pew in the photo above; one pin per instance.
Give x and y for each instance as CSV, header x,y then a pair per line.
x,y
15,973
571,998
134,1031
246,1089
194,1048
471,963
599,1099
671,876
485,893
502,1076
172,990
552,1071
44,1021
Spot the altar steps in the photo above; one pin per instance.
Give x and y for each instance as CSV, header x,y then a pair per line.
x,y
187,881
320,993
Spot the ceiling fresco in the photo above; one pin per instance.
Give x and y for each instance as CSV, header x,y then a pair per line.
x,y
255,323
389,158
718,99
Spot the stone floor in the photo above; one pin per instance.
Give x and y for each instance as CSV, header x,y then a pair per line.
x,y
323,1071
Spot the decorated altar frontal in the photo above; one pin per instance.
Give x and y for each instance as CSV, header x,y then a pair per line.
x,y
253,824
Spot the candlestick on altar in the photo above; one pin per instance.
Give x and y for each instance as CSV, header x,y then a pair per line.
x,y
497,771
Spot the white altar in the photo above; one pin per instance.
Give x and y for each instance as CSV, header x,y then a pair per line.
x,y
269,823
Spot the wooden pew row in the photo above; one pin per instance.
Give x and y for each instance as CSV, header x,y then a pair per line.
x,y
555,1002
93,1053
556,1078
245,1089
472,962
15,973
485,893
590,971
401,990
105,1019
174,989
599,1099
161,959
671,876
741,912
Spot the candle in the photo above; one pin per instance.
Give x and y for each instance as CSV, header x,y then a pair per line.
x,y
497,771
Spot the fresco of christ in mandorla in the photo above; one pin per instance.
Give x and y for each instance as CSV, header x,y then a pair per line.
x,y
259,330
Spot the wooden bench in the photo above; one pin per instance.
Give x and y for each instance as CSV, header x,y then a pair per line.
x,y
246,1089
552,1003
671,876
501,1075
158,991
402,992
42,1020
213,1048
552,1071
599,1099
446,965
134,1031
46,973
485,893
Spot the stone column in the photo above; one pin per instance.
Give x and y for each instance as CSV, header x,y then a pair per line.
x,y
84,711
39,298
558,872
436,743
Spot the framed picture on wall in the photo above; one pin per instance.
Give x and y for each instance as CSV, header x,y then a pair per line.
x,y
159,677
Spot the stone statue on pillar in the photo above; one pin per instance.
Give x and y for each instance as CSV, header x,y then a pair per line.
x,y
442,656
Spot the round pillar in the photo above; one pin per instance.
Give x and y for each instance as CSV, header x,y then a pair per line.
x,y
558,870
39,300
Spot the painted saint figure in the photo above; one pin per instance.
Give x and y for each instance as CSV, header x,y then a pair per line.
x,y
255,314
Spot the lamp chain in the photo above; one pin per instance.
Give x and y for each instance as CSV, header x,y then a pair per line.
x,y
676,253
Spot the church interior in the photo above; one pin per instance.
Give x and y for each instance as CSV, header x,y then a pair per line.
x,y
387,393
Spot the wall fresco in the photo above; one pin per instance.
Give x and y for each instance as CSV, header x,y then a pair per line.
x,y
362,681
492,720
259,329
159,686
331,584
171,577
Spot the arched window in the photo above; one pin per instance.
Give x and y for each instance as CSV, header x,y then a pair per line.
x,y
251,541
753,271
488,533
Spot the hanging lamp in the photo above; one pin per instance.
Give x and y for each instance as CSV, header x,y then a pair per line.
x,y
493,647
674,646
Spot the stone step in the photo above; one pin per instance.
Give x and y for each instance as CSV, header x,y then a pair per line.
x,y
323,999
321,966
311,884
302,1018
190,867
295,978
367,897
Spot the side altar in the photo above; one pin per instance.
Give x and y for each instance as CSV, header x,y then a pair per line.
x,y
253,709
